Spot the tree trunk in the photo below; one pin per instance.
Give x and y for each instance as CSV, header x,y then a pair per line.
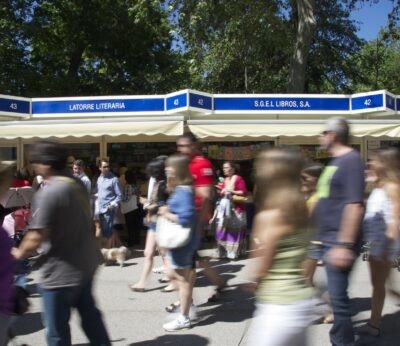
x,y
305,32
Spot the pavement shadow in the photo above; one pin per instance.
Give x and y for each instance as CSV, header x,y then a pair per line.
x,y
168,339
360,304
226,271
390,332
234,305
28,323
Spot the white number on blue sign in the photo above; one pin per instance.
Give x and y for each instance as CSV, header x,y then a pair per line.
x,y
13,106
368,102
176,102
200,102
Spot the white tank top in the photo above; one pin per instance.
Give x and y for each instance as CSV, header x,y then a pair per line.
x,y
379,203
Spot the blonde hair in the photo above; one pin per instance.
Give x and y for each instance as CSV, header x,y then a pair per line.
x,y
278,185
390,159
182,176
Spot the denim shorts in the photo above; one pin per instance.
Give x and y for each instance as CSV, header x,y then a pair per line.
x,y
315,251
181,258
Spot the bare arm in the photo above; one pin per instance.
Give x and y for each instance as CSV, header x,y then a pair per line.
x,y
350,225
206,194
342,255
393,192
30,243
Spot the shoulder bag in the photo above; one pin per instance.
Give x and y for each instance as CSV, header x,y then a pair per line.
x,y
237,198
171,235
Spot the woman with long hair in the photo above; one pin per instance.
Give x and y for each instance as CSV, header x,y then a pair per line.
x,y
231,214
158,197
381,229
180,209
281,238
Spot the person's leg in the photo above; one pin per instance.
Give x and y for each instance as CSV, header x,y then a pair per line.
x,y
56,314
149,252
185,290
107,222
341,333
379,273
91,320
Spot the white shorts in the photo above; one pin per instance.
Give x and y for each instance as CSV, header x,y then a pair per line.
x,y
280,325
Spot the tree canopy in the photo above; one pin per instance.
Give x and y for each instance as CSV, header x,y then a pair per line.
x,y
78,47
104,47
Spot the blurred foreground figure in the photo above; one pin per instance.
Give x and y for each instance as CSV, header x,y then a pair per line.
x,y
7,265
61,225
338,216
281,239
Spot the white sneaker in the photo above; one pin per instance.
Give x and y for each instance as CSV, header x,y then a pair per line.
x,y
178,324
193,312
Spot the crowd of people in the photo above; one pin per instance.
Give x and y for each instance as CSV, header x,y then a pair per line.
x,y
306,215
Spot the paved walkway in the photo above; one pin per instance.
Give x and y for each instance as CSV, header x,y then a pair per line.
x,y
137,318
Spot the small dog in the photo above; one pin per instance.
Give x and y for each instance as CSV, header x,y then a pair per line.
x,y
118,255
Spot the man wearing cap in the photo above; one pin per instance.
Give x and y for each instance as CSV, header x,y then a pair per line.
x,y
61,225
79,172
339,214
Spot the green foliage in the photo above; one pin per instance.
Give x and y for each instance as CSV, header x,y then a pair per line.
x,y
104,47
378,64
234,46
79,47
246,46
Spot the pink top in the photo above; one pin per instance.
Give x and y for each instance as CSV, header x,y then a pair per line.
x,y
240,185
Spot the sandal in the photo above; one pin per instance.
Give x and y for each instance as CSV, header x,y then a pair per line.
x,y
369,329
137,289
217,293
164,280
173,307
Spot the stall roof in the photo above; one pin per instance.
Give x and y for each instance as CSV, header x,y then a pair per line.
x,y
191,102
273,128
171,126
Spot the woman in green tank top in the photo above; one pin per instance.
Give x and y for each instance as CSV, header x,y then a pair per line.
x,y
280,245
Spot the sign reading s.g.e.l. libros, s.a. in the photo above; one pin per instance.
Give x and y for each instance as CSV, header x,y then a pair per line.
x,y
15,106
338,104
105,106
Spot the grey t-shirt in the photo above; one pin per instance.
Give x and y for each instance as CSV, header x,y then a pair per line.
x,y
71,253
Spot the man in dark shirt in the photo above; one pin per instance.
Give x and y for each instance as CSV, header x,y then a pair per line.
x,y
338,217
61,225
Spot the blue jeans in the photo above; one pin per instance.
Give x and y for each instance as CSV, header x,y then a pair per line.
x,y
341,333
107,222
57,311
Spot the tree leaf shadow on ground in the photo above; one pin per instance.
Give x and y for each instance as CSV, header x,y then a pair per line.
x,y
360,304
169,339
28,323
390,332
225,271
234,305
